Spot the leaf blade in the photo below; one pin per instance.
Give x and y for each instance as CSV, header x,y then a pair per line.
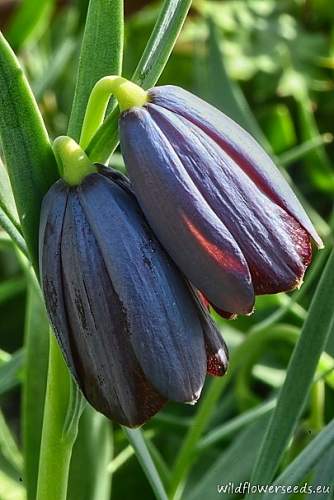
x,y
106,40
136,439
147,73
298,380
27,150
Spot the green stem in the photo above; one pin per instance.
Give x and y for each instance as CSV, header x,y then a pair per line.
x,y
127,93
74,164
147,73
56,445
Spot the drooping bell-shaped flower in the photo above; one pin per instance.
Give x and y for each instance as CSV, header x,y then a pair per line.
x,y
132,331
214,199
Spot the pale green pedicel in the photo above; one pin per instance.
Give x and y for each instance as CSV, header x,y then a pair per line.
x,y
127,93
74,165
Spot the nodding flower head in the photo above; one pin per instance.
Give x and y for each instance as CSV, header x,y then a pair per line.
x,y
133,332
215,200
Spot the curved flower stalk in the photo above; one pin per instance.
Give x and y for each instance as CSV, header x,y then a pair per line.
x,y
215,200
132,332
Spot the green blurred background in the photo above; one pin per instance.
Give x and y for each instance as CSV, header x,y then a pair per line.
x,y
270,65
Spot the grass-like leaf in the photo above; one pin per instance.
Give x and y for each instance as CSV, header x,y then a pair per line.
x,y
305,461
300,373
323,474
10,371
136,439
101,54
236,424
27,151
10,456
7,225
7,202
233,466
147,73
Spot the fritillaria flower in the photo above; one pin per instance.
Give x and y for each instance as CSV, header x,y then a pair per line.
x,y
133,332
215,200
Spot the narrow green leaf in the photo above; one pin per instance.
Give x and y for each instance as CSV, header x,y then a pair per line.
x,y
298,152
300,373
101,54
147,73
236,424
121,459
7,202
92,453
30,19
34,385
27,151
10,456
161,42
7,225
245,351
232,468
323,475
318,165
11,370
136,439
159,462
305,461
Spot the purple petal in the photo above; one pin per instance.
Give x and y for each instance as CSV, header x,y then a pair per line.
x,y
50,234
109,373
216,349
239,145
195,238
277,249
164,329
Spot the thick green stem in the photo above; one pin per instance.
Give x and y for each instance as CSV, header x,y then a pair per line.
x,y
74,164
147,73
57,441
128,94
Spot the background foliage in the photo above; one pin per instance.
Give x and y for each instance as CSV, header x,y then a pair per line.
x,y
269,65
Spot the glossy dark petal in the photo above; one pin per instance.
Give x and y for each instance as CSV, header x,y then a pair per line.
x,y
216,349
50,234
163,325
276,247
239,145
194,236
109,373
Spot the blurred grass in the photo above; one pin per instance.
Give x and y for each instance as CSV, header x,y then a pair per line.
x,y
269,65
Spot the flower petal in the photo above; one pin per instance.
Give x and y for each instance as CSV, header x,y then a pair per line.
x,y
164,328
109,373
50,233
277,249
216,349
187,227
239,145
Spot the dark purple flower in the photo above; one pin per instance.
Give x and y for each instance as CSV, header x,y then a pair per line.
x,y
215,200
132,331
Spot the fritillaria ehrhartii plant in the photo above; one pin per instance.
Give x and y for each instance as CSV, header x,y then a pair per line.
x,y
130,269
